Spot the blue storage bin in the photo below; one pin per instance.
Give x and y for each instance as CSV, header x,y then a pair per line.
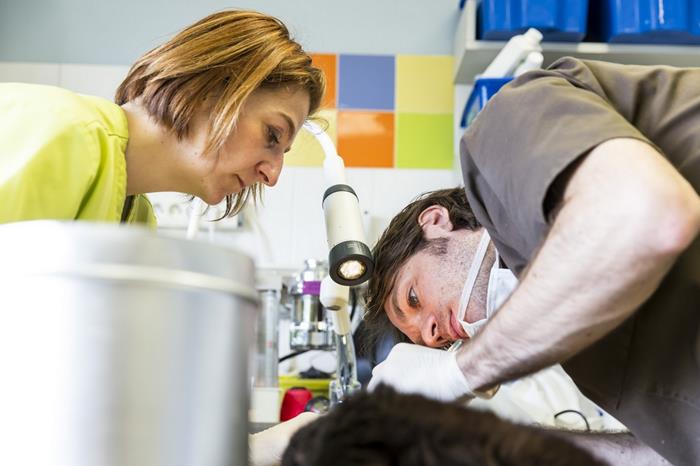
x,y
482,91
647,21
559,21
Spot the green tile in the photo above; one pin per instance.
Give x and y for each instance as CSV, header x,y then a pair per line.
x,y
424,140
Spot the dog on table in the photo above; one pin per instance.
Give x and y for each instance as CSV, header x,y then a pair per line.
x,y
385,428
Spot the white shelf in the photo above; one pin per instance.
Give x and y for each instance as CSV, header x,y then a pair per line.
x,y
473,56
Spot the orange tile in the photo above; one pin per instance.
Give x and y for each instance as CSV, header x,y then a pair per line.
x,y
366,139
328,63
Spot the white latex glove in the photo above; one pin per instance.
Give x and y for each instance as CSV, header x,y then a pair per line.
x,y
418,369
267,447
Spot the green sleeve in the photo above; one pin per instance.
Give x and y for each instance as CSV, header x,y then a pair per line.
x,y
45,174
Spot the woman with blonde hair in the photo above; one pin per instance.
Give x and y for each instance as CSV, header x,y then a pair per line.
x,y
209,113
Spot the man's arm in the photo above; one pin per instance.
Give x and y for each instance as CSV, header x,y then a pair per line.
x,y
616,449
626,215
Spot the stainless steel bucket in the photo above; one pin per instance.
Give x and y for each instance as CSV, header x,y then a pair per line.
x,y
121,347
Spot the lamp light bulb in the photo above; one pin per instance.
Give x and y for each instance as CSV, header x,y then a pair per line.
x,y
351,269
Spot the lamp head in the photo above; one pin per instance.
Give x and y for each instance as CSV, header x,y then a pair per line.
x,y
350,263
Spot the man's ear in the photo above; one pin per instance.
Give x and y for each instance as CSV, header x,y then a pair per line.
x,y
435,221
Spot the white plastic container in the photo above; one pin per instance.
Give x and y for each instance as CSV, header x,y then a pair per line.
x,y
533,61
513,53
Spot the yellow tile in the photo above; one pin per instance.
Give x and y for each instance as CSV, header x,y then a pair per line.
x,y
306,151
424,84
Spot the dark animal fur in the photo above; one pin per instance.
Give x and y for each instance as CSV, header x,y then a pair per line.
x,y
389,429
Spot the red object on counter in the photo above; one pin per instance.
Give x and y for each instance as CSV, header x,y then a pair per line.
x,y
294,402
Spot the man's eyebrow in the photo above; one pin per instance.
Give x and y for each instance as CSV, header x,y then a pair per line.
x,y
395,303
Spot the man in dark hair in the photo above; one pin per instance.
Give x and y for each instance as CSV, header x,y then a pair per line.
x,y
582,180
390,429
401,240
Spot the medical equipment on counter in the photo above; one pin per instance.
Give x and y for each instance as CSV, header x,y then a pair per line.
x,y
320,321
119,346
310,326
513,53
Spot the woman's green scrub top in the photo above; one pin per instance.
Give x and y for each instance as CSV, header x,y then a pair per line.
x,y
62,157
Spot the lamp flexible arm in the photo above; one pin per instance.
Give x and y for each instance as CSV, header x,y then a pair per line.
x,y
343,222
333,165
334,298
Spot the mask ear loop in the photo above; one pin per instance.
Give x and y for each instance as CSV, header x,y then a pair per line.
x,y
474,272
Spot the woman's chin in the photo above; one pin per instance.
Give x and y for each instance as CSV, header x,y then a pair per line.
x,y
213,198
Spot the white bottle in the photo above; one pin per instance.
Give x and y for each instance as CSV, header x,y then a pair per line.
x,y
514,52
533,61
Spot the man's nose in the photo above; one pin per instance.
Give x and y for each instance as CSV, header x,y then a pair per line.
x,y
269,171
430,332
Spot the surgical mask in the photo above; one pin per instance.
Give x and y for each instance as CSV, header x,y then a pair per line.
x,y
501,284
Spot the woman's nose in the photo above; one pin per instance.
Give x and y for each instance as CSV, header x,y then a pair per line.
x,y
269,171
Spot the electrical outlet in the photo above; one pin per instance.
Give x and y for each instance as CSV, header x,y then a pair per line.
x,y
173,211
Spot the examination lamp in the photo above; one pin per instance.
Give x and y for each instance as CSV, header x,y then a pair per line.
x,y
349,258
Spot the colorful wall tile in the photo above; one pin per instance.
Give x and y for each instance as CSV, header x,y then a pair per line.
x,y
424,140
306,150
366,139
367,82
424,84
384,111
329,64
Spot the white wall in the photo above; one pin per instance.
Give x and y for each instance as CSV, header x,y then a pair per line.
x,y
118,32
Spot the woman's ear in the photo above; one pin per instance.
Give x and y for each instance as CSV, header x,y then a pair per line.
x,y
435,221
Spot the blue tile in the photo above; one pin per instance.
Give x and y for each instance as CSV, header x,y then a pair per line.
x,y
366,82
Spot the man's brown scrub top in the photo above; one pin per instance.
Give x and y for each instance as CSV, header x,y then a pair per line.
x,y
646,372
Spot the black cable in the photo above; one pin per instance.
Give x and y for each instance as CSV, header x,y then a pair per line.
x,y
353,300
291,355
588,426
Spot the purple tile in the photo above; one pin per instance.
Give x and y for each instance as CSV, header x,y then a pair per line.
x,y
366,82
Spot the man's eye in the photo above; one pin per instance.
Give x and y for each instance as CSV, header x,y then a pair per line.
x,y
412,298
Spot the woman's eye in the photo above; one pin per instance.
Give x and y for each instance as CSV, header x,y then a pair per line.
x,y
412,298
272,137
